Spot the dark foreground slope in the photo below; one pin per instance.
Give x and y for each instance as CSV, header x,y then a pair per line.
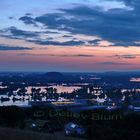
x,y
15,134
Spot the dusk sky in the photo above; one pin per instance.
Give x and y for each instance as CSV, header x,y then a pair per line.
x,y
70,35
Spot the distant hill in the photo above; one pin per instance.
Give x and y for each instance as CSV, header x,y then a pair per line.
x,y
60,77
54,77
54,74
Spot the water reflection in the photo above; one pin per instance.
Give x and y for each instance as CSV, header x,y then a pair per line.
x,y
24,99
135,80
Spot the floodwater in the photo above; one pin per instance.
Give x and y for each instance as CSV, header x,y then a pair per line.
x,y
20,102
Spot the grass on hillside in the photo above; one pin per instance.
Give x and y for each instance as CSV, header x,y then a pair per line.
x,y
15,134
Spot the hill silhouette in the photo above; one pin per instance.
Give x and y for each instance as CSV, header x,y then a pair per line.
x,y
54,75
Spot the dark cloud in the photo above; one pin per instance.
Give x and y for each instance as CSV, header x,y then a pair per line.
x,y
115,25
28,20
15,33
67,55
127,56
51,32
126,44
112,63
119,25
21,33
11,17
54,21
78,55
67,36
12,48
94,42
56,43
35,37
28,14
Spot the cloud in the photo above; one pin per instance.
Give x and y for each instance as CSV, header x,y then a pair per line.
x,y
18,33
11,17
126,44
95,42
127,56
114,25
67,36
61,55
77,55
12,48
46,37
57,43
28,20
113,63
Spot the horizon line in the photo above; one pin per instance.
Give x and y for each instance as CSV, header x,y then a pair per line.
x,y
71,71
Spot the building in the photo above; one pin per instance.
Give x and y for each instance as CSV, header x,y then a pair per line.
x,y
72,129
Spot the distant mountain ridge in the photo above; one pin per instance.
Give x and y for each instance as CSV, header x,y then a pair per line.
x,y
54,74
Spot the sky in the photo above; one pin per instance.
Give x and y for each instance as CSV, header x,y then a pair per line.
x,y
69,35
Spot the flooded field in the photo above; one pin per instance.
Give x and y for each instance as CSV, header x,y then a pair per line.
x,y
23,100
